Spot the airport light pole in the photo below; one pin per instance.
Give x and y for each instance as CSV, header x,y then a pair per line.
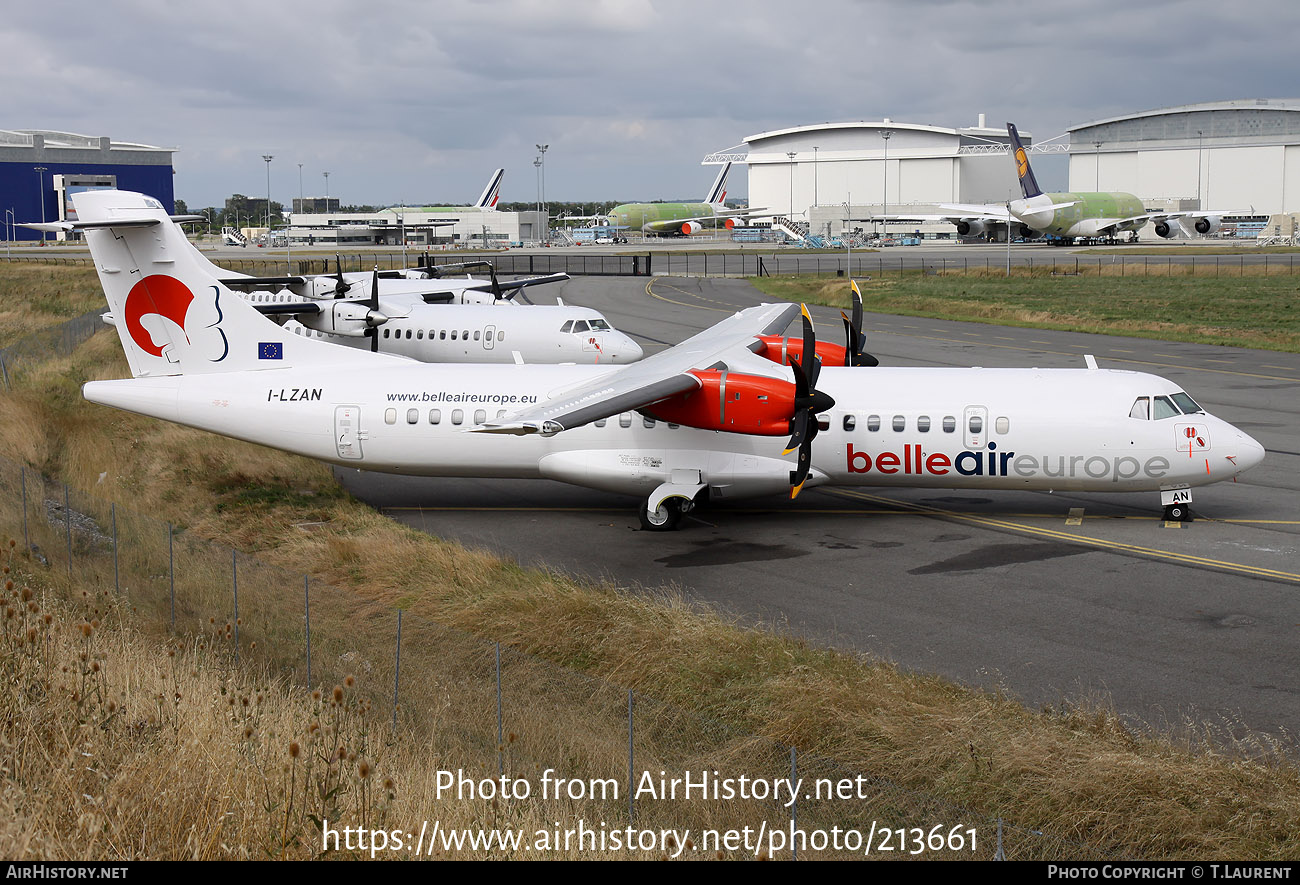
x,y
547,220
537,174
884,184
1096,165
268,158
10,218
814,176
790,154
300,209
327,191
1200,137
40,194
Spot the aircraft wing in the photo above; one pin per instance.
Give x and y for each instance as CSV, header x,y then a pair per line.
x,y
970,210
654,378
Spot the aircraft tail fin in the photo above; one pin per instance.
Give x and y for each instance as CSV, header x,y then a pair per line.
x,y
1028,184
491,193
718,192
174,316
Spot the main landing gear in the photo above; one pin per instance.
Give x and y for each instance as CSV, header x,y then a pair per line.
x,y
1177,513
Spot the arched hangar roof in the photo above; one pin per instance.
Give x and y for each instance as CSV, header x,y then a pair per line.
x,y
1209,124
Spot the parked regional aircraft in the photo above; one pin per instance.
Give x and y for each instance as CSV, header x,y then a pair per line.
x,y
708,418
682,219
1087,215
425,320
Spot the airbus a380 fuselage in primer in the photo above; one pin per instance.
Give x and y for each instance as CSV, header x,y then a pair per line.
x,y
710,417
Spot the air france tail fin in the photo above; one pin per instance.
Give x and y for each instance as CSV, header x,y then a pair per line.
x,y
173,315
718,192
491,193
1028,184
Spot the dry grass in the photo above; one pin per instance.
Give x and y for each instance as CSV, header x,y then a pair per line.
x,y
35,296
1076,772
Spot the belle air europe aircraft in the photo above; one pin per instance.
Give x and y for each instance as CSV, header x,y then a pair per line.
x,y
1081,215
682,219
425,320
721,415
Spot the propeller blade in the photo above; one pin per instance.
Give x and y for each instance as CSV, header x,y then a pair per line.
x,y
799,475
496,286
856,340
798,430
374,306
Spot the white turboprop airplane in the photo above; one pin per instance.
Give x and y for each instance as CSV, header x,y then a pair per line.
x,y
427,326
707,418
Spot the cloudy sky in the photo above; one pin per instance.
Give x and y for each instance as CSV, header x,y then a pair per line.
x,y
419,101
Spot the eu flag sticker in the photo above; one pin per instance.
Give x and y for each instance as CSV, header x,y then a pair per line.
x,y
270,350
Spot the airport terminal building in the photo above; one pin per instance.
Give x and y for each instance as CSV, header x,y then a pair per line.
x,y
41,169
419,226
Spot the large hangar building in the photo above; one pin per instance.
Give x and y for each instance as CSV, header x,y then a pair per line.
x,y
41,169
1225,155
810,173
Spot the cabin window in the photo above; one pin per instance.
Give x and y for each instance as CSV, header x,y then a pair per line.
x,y
648,423
442,336
1141,408
873,423
672,426
479,416
923,424
435,416
949,424
1002,425
419,335
453,334
850,422
465,335
601,422
1186,403
625,419
976,424
386,331
899,423
457,416
1164,408
501,413
475,334
390,416
412,416
501,336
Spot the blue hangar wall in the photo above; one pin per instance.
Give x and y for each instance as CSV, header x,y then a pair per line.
x,y
27,174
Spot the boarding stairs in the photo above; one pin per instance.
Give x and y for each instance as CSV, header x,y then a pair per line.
x,y
233,237
796,231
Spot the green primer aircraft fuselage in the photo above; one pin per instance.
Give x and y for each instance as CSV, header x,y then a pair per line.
x,y
668,218
1083,215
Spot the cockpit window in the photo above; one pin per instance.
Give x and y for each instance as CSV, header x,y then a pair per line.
x,y
1141,408
579,326
599,325
1186,403
1164,408
567,327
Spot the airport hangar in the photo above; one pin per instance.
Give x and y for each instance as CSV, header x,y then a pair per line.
x,y
40,169
418,226
1237,156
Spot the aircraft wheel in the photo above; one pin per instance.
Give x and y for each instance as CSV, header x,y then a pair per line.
x,y
665,519
1178,513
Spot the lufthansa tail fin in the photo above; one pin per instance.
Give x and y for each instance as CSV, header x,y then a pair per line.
x,y
174,316
491,193
718,192
1028,184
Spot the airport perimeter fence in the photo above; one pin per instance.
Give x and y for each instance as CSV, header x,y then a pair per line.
x,y
505,712
754,263
37,347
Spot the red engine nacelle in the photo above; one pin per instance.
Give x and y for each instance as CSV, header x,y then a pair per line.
x,y
691,227
732,223
781,350
732,402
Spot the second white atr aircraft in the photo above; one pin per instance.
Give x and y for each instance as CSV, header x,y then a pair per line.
x,y
720,415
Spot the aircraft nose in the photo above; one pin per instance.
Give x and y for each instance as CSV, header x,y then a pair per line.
x,y
632,350
1250,452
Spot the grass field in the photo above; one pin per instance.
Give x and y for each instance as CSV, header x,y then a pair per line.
x,y
1076,771
1254,310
